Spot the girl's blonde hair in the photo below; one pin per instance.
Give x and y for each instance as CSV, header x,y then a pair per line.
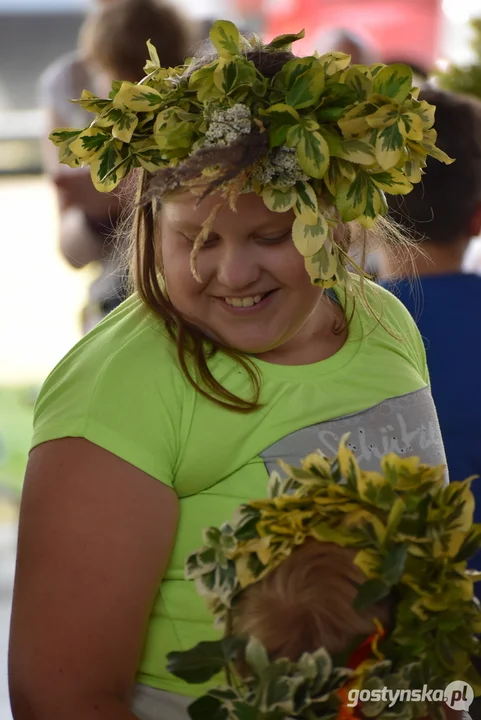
x,y
307,603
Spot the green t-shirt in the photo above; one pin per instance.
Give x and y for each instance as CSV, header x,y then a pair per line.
x,y
121,388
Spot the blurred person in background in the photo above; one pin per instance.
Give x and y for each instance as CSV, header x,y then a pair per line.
x,y
362,51
443,213
112,44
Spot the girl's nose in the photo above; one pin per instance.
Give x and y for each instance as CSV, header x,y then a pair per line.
x,y
237,267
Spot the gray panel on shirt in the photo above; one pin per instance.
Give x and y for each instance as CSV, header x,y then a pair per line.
x,y
407,425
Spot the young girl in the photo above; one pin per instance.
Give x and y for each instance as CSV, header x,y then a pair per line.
x,y
246,340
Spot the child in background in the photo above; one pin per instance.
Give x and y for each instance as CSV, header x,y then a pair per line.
x,y
112,45
444,212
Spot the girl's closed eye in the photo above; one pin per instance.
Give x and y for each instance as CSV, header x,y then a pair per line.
x,y
208,242
286,235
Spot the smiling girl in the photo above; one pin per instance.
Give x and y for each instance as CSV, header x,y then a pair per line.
x,y
246,340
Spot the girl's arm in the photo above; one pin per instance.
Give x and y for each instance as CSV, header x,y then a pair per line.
x,y
95,538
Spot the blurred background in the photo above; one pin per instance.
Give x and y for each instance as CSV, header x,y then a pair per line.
x,y
42,295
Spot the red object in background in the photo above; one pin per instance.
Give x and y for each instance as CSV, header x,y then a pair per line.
x,y
396,30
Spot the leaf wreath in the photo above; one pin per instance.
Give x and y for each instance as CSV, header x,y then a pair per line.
x,y
345,134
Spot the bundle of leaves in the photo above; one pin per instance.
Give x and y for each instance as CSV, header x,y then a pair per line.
x,y
413,536
313,687
329,139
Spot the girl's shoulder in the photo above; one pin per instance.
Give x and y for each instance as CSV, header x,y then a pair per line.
x,y
387,321
118,387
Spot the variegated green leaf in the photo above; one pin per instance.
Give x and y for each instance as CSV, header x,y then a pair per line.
x,y
376,68
89,143
426,112
322,268
376,204
351,198
90,102
306,207
306,89
286,77
279,200
225,75
338,172
309,239
411,126
124,127
283,42
354,122
389,146
394,81
139,98
361,82
173,130
66,156
226,38
428,145
153,56
334,62
385,116
64,135
357,151
392,181
109,167
279,119
312,153
116,85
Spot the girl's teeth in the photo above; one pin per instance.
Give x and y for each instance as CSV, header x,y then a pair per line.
x,y
244,302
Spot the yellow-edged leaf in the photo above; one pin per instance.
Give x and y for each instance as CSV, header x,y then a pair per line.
x,y
109,168
125,126
279,200
427,113
137,98
354,122
90,102
389,146
351,198
226,38
312,153
306,89
347,462
356,151
306,206
89,143
317,463
334,62
359,78
66,156
153,55
413,126
392,181
309,239
394,81
383,117
323,269
369,562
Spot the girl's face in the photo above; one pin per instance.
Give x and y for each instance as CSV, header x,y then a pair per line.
x,y
255,293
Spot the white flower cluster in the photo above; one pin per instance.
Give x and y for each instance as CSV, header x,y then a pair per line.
x,y
279,168
227,125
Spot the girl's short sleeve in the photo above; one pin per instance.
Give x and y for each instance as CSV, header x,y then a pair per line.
x,y
128,402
